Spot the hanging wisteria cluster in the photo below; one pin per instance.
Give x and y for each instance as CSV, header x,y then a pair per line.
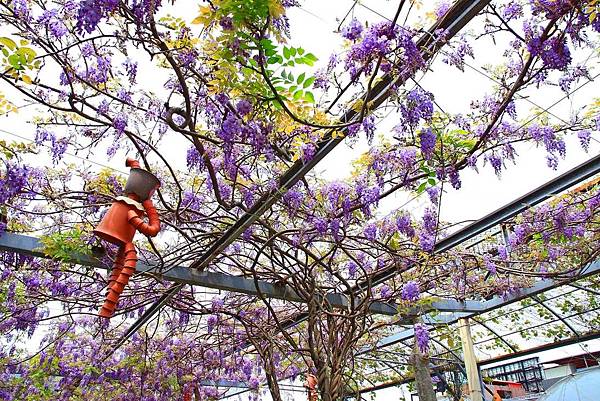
x,y
219,106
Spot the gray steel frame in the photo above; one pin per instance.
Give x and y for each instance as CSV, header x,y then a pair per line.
x,y
494,303
535,197
32,246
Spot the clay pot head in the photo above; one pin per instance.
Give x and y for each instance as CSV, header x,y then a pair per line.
x,y
140,182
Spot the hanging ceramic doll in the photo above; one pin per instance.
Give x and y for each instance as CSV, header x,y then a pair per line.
x,y
311,385
119,225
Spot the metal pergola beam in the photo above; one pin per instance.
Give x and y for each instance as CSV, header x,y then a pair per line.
x,y
551,188
593,335
546,191
32,246
497,302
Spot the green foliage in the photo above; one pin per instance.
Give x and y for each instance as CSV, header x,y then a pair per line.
x,y
62,245
286,84
429,181
11,150
18,58
242,12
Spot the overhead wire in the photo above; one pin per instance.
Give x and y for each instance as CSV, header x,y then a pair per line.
x,y
66,153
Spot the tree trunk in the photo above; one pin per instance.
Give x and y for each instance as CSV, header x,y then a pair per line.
x,y
423,376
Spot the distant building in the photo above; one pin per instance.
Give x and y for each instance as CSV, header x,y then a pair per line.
x,y
528,379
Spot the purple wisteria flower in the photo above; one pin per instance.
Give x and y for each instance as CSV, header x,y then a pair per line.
x,y
91,13
21,9
385,291
404,225
585,137
103,107
352,268
370,231
211,322
417,106
502,252
353,30
441,8
320,225
226,23
457,54
216,304
554,52
53,23
244,107
131,68
120,122
512,10
552,8
427,140
410,291
422,337
434,194
13,181
490,265
452,174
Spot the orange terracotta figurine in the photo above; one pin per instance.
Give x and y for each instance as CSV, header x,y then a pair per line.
x,y
119,225
311,385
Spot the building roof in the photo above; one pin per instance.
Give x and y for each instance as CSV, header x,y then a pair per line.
x,y
580,361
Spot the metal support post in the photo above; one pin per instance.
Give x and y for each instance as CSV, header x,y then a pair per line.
x,y
475,393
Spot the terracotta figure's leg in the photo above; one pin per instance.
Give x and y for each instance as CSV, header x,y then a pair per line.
x,y
117,267
117,287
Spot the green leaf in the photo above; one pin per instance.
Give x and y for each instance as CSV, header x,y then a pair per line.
x,y
309,97
8,43
311,57
292,51
276,103
300,51
431,181
293,88
422,188
298,95
300,78
267,44
286,52
309,82
13,60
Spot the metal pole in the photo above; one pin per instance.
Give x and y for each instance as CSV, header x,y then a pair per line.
x,y
475,393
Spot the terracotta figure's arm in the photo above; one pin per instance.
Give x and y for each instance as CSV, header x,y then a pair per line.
x,y
150,229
